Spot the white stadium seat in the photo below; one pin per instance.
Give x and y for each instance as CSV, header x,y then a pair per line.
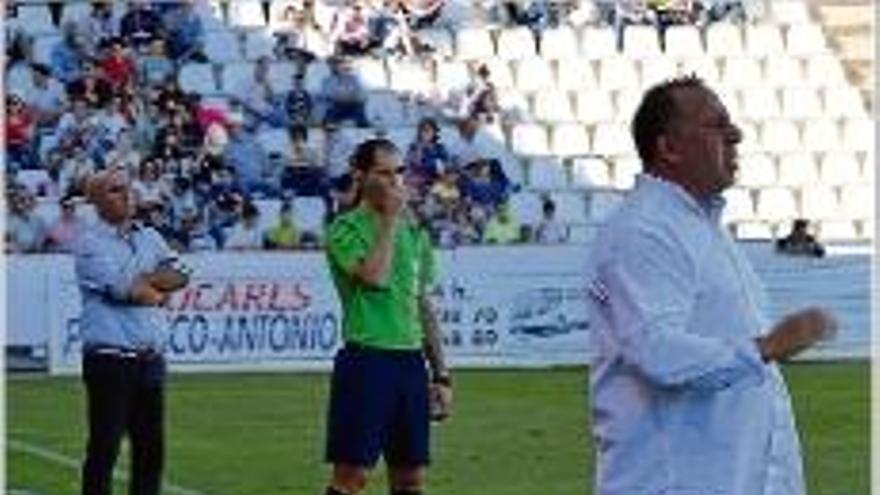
x,y
741,72
571,207
315,75
789,11
36,19
780,136
501,73
683,42
19,79
281,75
825,71
529,139
43,46
641,42
235,78
857,201
757,170
819,202
598,43
617,73
776,204
739,206
474,44
600,204
704,67
624,170
760,103
75,12
837,230
516,43
797,169
781,71
371,72
258,44
801,103
594,106
657,70
515,104
839,168
547,174
452,77
222,47
247,14
590,173
821,135
806,40
751,139
858,134
534,74
554,106
526,207
730,98
611,139
867,229
317,42
309,213
197,78
274,141
440,40
384,109
723,40
575,74
754,231
843,101
763,40
409,77
569,140
559,43
626,101
269,209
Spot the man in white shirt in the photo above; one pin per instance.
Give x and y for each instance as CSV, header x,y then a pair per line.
x,y
687,398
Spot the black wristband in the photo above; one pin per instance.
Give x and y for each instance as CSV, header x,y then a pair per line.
x,y
443,379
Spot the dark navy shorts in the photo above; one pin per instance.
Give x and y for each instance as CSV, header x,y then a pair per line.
x,y
378,405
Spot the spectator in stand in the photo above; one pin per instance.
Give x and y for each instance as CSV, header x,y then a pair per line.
x,y
424,13
349,31
19,47
502,228
100,27
193,234
90,85
298,103
246,156
305,174
140,25
337,149
148,187
47,97
427,157
185,32
284,235
718,10
674,12
245,234
76,128
550,230
155,68
69,54
260,98
481,98
390,29
221,211
21,124
290,36
70,167
344,94
62,234
627,12
25,230
118,66
344,194
481,188
799,242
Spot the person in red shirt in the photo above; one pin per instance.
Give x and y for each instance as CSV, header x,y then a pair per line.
x,y
20,124
118,66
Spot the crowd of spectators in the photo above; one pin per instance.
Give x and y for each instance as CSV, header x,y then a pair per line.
x,y
109,97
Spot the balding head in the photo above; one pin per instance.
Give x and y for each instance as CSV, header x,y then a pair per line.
x,y
109,191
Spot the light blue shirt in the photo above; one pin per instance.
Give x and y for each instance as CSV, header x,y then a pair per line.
x,y
682,402
107,265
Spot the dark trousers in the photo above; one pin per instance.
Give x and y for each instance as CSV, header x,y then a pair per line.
x,y
125,395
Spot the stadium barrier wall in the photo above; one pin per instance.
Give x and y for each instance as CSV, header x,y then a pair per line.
x,y
499,307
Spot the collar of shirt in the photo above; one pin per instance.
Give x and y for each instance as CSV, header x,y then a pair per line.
x,y
104,228
711,207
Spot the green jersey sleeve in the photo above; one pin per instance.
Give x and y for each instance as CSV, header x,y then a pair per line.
x,y
346,245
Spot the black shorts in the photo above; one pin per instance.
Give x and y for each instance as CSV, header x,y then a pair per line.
x,y
378,405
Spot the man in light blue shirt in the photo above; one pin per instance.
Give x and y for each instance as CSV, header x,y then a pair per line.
x,y
125,273
686,396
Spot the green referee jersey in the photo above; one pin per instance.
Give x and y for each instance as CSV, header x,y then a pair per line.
x,y
385,317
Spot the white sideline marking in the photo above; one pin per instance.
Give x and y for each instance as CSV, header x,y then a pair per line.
x,y
67,461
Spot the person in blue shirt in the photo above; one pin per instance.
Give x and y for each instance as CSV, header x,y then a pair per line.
x,y
687,397
125,272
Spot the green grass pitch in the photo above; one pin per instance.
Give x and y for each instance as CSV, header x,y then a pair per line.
x,y
514,433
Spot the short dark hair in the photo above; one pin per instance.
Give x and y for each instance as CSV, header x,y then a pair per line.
x,y
364,157
657,112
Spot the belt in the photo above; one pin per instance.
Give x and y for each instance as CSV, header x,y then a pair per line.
x,y
123,353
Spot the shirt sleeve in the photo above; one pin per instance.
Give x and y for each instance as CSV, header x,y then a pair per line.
x,y
97,271
346,247
647,290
